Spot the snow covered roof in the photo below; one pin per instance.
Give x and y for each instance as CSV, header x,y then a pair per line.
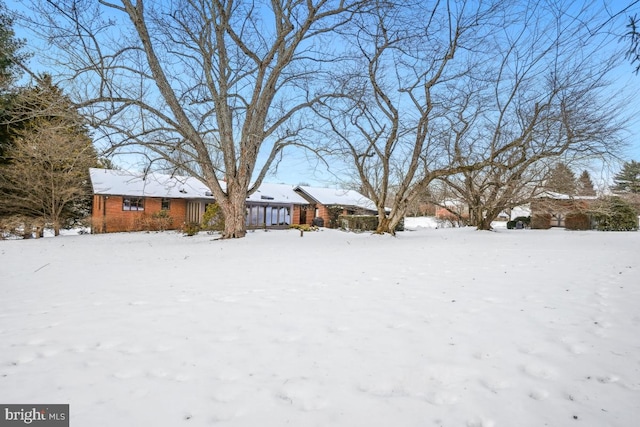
x,y
330,196
561,196
123,183
277,193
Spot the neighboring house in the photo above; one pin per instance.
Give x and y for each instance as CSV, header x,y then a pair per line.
x,y
327,204
125,201
452,210
551,209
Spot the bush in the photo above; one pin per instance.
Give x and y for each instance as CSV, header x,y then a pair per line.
x,y
334,216
21,227
541,221
358,222
615,214
213,219
159,221
304,227
162,220
577,221
191,228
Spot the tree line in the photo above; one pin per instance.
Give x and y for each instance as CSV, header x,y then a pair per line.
x,y
406,98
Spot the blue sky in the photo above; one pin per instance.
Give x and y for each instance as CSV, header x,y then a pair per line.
x,y
297,167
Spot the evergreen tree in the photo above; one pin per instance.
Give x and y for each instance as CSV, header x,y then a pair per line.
x,y
561,180
584,185
628,179
47,178
614,213
9,58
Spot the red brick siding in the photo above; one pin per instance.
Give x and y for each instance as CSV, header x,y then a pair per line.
x,y
296,213
324,213
108,215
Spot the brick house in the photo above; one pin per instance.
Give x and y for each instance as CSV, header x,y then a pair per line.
x,y
125,201
327,204
551,209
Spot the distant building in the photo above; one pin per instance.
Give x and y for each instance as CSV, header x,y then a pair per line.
x,y
551,209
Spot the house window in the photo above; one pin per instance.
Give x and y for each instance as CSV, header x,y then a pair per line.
x,y
165,204
132,204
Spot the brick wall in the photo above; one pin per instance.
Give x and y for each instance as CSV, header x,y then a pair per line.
x,y
296,214
108,215
325,213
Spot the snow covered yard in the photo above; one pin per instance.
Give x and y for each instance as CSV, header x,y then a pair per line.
x,y
436,327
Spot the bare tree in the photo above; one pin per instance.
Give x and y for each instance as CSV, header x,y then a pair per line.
x,y
474,91
496,188
213,88
400,118
574,123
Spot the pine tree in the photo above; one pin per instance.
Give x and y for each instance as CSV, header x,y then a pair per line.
x,y
47,178
628,179
585,185
9,57
561,180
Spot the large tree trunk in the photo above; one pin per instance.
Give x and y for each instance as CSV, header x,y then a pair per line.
x,y
234,211
487,219
388,224
485,224
384,225
475,216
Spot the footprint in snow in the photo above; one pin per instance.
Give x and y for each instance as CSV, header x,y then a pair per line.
x,y
301,396
608,379
538,394
125,375
481,422
537,370
577,348
440,398
496,384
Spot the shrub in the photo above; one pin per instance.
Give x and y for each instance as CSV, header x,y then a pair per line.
x,y
614,214
159,221
21,227
577,221
304,227
541,221
511,224
334,216
358,222
191,228
162,220
213,219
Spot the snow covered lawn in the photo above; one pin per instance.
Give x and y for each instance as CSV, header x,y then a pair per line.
x,y
436,327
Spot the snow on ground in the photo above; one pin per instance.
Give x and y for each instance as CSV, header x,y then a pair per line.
x,y
436,327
